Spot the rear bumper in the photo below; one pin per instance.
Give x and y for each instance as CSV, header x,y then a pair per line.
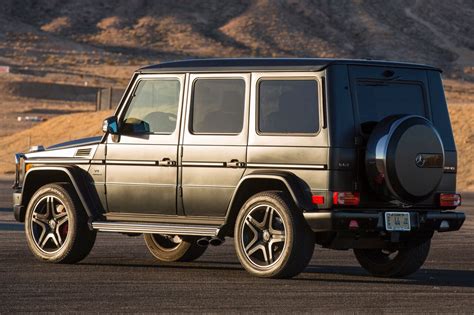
x,y
374,220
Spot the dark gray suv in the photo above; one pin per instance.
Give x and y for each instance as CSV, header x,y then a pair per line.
x,y
279,154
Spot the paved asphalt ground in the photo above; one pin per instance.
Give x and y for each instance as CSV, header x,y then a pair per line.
x,y
120,276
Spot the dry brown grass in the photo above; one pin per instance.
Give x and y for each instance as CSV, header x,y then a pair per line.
x,y
462,117
59,129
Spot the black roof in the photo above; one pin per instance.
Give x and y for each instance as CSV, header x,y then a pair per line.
x,y
268,64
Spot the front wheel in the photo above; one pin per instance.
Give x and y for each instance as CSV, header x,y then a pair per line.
x,y
393,263
56,225
171,248
272,239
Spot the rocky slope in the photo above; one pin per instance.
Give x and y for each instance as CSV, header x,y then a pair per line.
x,y
88,32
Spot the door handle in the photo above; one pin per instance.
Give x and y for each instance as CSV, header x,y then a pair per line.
x,y
167,162
234,163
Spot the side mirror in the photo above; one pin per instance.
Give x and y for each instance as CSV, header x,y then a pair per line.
x,y
110,125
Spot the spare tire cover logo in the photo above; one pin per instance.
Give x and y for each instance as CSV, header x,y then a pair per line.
x,y
429,160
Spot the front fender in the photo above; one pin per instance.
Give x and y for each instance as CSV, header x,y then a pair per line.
x,y
42,175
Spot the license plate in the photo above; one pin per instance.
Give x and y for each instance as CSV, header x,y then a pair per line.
x,y
397,221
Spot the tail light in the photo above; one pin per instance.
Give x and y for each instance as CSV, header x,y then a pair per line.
x,y
449,200
346,198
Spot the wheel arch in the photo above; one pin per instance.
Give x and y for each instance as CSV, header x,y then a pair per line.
x,y
257,182
39,176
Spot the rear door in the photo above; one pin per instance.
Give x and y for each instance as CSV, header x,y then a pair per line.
x,y
214,144
379,92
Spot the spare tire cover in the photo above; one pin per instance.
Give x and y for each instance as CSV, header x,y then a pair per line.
x,y
404,158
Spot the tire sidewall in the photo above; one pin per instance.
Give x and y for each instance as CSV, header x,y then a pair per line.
x,y
407,261
288,219
63,195
175,254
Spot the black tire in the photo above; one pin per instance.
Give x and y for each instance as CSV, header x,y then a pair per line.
x,y
164,248
404,262
259,233
56,225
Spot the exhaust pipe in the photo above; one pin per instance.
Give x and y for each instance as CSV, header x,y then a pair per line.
x,y
203,242
216,241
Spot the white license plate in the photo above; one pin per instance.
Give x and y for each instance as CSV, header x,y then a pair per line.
x,y
397,221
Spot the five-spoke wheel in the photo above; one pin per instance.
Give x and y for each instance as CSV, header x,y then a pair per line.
x,y
56,225
263,235
271,237
49,224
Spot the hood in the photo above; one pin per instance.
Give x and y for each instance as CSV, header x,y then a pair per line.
x,y
75,143
80,148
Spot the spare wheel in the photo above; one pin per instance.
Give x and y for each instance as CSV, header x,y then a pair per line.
x,y
404,158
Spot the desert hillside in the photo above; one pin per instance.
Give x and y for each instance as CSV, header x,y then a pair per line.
x,y
60,53
96,44
136,31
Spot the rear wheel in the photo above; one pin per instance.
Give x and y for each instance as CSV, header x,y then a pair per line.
x,y
171,248
56,225
393,263
272,239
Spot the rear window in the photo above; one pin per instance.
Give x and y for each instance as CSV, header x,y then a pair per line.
x,y
377,100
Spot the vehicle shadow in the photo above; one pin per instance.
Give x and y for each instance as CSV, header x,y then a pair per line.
x,y
424,277
324,273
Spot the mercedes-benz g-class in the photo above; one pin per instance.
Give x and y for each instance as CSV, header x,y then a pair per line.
x,y
278,154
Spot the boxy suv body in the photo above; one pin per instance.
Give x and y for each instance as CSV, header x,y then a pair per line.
x,y
280,154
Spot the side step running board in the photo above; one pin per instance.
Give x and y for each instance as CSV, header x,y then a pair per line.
x,y
156,228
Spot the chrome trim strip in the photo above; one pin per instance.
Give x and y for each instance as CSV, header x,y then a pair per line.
x,y
128,162
288,166
198,230
207,186
140,184
205,164
59,161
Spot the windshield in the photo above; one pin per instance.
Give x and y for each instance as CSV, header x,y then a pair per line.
x,y
379,99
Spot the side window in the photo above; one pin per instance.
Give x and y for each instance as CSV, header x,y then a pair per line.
x,y
288,106
154,107
218,106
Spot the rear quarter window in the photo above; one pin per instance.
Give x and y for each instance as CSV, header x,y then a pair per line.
x,y
288,107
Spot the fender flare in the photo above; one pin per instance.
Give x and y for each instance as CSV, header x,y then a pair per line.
x,y
78,181
298,189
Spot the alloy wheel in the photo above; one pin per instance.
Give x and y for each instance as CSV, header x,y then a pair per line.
x,y
49,224
263,236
